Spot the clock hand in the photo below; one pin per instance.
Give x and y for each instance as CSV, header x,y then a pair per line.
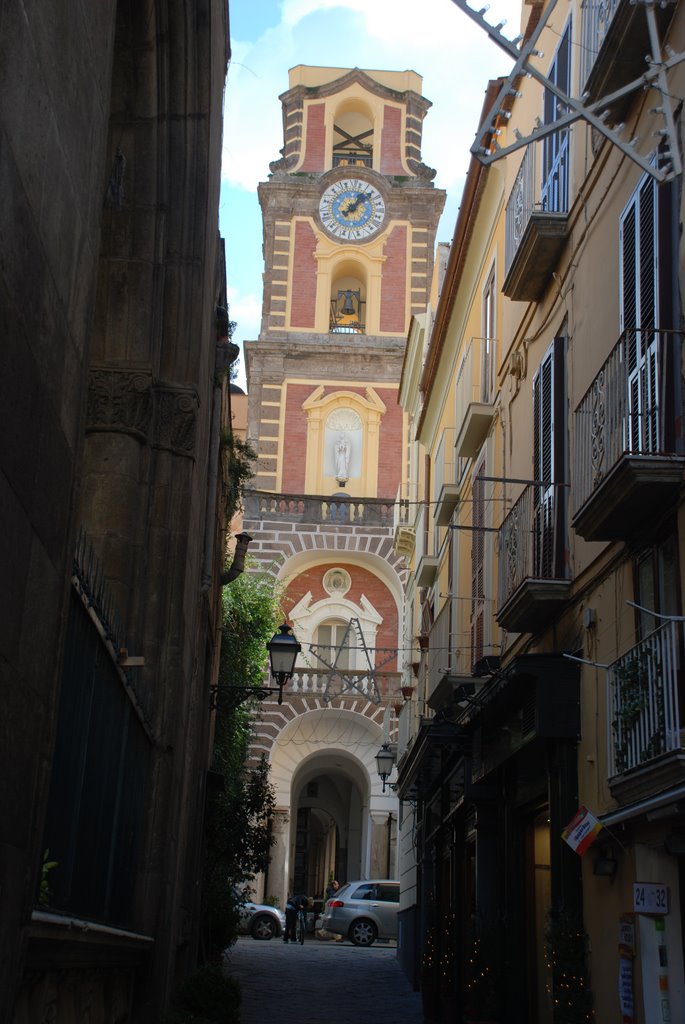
x,y
361,196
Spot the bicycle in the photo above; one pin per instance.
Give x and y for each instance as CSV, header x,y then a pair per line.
x,y
300,927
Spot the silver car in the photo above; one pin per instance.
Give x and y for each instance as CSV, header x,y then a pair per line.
x,y
364,911
260,920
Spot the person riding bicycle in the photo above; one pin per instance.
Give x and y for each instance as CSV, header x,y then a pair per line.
x,y
293,907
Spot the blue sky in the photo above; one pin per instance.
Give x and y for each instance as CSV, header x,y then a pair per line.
x,y
268,37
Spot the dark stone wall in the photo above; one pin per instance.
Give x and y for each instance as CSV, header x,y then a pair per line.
x,y
110,140
53,170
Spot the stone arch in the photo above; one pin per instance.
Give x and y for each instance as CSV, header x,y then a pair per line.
x,y
353,118
374,553
338,744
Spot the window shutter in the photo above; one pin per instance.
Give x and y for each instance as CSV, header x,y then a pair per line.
x,y
639,244
638,240
543,426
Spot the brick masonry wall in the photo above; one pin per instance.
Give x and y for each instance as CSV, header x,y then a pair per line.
x,y
303,300
391,156
295,439
390,451
394,284
315,145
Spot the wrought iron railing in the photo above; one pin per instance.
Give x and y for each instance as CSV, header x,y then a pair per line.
x,y
421,529
620,412
445,463
402,514
528,196
596,17
476,376
447,654
530,539
643,701
520,206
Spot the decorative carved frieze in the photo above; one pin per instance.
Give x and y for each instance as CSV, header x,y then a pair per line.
x,y
120,401
175,419
131,402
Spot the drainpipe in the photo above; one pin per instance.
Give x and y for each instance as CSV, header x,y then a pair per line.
x,y
238,563
226,353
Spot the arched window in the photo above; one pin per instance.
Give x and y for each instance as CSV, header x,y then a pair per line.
x,y
348,299
352,139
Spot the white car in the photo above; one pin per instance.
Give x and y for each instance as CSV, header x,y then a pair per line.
x,y
260,920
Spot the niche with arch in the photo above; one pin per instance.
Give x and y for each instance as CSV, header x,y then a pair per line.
x,y
355,419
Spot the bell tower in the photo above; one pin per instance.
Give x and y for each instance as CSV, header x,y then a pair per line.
x,y
350,215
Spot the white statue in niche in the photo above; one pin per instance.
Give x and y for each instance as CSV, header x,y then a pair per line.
x,y
342,445
342,459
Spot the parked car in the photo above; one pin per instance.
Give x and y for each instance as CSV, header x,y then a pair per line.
x,y
364,911
260,920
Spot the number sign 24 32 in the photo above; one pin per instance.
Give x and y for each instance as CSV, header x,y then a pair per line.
x,y
650,898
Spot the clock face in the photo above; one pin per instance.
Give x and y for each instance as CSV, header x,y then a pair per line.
x,y
352,208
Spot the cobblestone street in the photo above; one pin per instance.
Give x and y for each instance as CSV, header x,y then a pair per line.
x,y
321,983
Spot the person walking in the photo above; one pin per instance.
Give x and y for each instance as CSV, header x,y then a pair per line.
x,y
294,905
332,889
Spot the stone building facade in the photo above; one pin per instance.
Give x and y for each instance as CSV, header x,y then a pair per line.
x,y
111,271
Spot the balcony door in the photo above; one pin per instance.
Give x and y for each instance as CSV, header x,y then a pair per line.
x,y
489,335
549,462
555,156
639,310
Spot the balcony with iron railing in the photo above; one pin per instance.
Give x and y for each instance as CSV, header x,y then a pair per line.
x,y
625,461
475,394
534,578
426,561
445,478
645,743
536,218
449,659
608,28
404,539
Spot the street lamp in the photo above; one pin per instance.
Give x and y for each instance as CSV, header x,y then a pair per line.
x,y
385,759
283,651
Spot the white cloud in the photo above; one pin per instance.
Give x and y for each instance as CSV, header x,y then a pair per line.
x,y
454,56
246,311
435,39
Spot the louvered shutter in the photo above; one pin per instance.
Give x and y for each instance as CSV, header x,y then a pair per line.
x,y
543,467
639,316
